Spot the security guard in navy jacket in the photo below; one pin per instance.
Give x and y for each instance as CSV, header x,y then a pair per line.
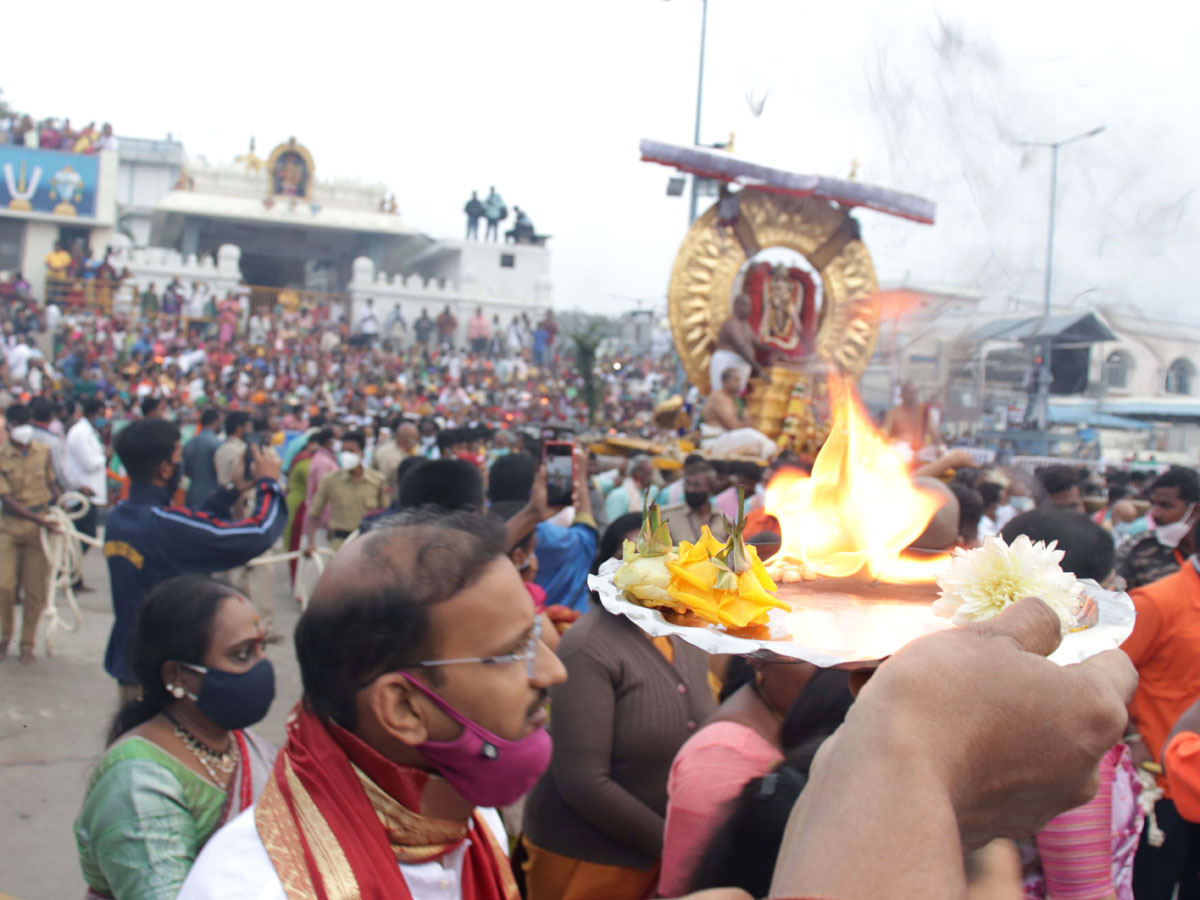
x,y
147,541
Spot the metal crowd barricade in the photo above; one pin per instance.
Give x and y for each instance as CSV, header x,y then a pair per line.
x,y
265,299
95,293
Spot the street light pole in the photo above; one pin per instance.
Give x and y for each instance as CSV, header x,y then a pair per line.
x,y
699,100
1044,375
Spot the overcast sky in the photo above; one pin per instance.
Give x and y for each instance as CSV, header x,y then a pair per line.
x,y
547,99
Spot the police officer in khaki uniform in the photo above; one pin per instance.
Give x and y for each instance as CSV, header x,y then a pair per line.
x,y
27,488
351,493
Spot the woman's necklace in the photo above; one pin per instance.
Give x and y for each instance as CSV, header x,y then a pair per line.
x,y
210,760
756,686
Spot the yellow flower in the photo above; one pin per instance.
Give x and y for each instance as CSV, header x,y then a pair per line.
x,y
980,583
686,581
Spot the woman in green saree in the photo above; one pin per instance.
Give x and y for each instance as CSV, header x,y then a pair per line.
x,y
179,763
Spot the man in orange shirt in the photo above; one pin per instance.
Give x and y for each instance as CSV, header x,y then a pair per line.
x,y
1181,759
1165,649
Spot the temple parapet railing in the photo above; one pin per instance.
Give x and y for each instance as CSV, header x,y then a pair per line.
x,y
412,293
95,293
267,299
145,267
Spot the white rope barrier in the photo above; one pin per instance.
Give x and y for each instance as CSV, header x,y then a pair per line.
x,y
64,553
304,582
1150,794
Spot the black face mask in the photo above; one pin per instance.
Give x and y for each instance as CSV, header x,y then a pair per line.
x,y
236,699
173,481
695,499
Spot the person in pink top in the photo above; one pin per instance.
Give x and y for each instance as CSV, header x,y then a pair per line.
x,y
766,709
1087,853
479,332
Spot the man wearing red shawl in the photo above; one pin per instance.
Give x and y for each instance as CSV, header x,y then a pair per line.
x,y
425,681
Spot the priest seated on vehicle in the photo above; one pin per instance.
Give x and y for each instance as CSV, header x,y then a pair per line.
x,y
728,431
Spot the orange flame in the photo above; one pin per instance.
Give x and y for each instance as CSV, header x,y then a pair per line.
x,y
859,510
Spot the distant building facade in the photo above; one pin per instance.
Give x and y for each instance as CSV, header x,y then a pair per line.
x,y
266,222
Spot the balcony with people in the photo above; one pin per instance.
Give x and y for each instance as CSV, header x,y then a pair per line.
x,y
56,134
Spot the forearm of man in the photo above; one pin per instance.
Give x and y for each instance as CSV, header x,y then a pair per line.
x,y
1189,721
1179,758
935,469
16,507
871,823
583,503
520,525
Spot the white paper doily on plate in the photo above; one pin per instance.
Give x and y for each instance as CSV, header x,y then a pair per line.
x,y
1115,623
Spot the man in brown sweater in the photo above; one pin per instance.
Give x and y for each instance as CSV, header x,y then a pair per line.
x,y
627,706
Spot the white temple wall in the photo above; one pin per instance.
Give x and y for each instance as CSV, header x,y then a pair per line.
x,y
106,189
414,293
516,273
158,265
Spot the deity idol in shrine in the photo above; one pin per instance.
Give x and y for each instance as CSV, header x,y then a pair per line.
x,y
783,311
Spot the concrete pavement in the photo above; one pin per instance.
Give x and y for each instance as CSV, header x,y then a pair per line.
x,y
54,716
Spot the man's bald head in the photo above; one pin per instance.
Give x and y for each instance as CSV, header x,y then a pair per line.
x,y
407,435
641,469
369,613
942,531
1124,511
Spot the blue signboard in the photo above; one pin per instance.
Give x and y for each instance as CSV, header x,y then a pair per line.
x,y
47,181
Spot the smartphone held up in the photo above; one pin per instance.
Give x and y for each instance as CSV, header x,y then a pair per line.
x,y
560,472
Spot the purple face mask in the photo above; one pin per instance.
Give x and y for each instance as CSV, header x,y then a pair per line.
x,y
484,767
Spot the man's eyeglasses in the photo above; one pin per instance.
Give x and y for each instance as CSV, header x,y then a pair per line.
x,y
528,654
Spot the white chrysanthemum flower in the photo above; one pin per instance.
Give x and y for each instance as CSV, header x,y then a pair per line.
x,y
980,583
